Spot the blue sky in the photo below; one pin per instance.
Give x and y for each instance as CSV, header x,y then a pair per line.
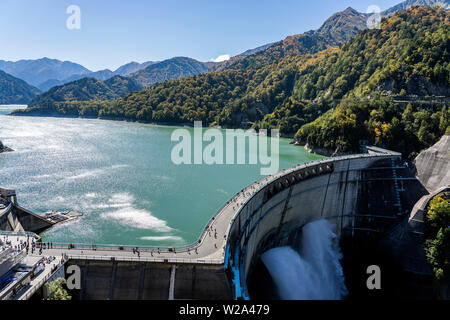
x,y
114,32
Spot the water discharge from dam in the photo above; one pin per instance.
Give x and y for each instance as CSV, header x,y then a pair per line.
x,y
313,273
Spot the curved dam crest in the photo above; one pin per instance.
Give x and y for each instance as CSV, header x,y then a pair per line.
x,y
267,214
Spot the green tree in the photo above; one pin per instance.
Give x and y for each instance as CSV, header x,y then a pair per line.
x,y
57,290
437,245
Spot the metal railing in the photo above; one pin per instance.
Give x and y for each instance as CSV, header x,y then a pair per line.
x,y
20,234
189,247
41,282
261,184
279,176
145,259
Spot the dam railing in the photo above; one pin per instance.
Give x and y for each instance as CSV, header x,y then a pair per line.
x,y
263,183
254,189
283,173
20,234
233,259
145,259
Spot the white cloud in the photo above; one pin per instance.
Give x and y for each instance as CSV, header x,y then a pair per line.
x,y
222,58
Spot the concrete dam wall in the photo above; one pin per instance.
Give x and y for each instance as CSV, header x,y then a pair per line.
x,y
362,195
15,218
433,165
121,280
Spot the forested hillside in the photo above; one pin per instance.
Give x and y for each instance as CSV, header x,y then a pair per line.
x,y
14,90
170,69
226,97
335,31
369,89
407,60
87,89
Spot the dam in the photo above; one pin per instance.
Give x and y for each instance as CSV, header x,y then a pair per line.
x,y
366,196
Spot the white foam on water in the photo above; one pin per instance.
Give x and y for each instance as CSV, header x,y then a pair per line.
x,y
108,205
162,238
91,195
121,198
128,215
138,218
313,274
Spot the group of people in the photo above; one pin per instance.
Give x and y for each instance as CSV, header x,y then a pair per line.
x,y
136,251
20,244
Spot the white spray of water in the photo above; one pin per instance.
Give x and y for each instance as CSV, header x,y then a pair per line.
x,y
315,273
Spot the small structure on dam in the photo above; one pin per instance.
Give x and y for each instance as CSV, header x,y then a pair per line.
x,y
369,197
15,218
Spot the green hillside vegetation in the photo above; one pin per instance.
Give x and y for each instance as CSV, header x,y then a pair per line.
x,y
14,90
170,69
437,245
369,89
57,290
231,97
409,56
226,98
87,89
380,121
335,31
409,53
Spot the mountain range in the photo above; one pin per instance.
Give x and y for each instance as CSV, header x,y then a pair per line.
x,y
47,73
329,96
36,72
410,3
170,69
88,89
105,74
336,31
14,90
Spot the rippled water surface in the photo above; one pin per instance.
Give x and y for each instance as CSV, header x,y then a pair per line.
x,y
120,176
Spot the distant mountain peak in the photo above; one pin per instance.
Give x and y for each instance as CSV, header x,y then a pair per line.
x,y
88,88
411,3
350,10
35,72
172,68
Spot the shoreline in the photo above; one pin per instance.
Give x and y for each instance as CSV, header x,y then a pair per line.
x,y
172,124
4,148
310,149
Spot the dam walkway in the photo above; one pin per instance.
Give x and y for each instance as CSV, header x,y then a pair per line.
x,y
344,190
210,248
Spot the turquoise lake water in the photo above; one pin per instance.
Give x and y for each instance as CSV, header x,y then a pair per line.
x,y
120,176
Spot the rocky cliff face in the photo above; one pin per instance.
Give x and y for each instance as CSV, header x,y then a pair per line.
x,y
433,165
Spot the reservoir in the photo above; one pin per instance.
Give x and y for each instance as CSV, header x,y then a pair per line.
x,y
120,176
